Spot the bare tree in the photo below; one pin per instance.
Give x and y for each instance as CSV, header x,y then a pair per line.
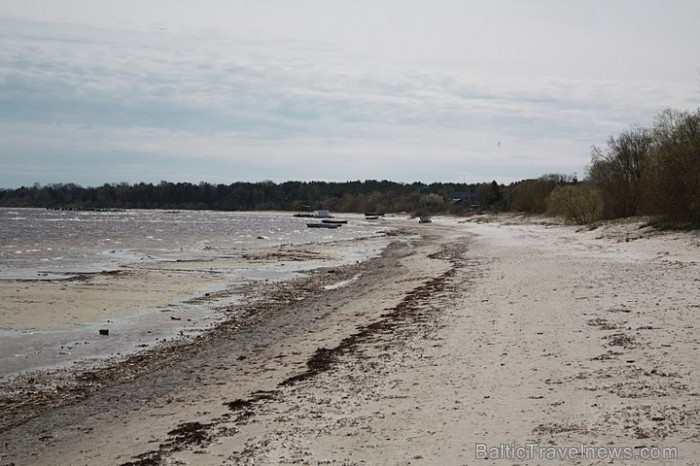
x,y
617,171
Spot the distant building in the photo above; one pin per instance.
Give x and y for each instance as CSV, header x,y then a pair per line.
x,y
467,198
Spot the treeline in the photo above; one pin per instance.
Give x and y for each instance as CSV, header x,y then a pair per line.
x,y
352,196
644,171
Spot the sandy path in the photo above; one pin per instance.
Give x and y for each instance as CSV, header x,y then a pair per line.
x,y
481,333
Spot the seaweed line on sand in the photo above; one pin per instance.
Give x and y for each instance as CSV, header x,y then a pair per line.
x,y
194,433
27,397
324,358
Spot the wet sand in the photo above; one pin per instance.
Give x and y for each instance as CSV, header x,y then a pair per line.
x,y
54,320
495,331
50,304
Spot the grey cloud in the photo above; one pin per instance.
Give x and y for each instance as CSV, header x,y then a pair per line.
x,y
256,106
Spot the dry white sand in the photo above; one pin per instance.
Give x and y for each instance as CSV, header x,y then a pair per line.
x,y
505,332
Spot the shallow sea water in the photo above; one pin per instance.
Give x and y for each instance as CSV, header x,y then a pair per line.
x,y
38,245
34,242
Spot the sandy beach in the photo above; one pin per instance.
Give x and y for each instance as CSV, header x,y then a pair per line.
x,y
461,343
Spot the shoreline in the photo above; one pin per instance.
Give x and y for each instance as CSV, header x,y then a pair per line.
x,y
493,333
50,323
312,272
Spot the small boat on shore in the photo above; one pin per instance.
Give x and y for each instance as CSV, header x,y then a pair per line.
x,y
334,222
323,225
371,217
425,219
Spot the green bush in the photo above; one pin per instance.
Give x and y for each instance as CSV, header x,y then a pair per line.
x,y
580,203
531,195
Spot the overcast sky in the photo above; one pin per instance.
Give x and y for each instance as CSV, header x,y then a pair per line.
x,y
96,91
